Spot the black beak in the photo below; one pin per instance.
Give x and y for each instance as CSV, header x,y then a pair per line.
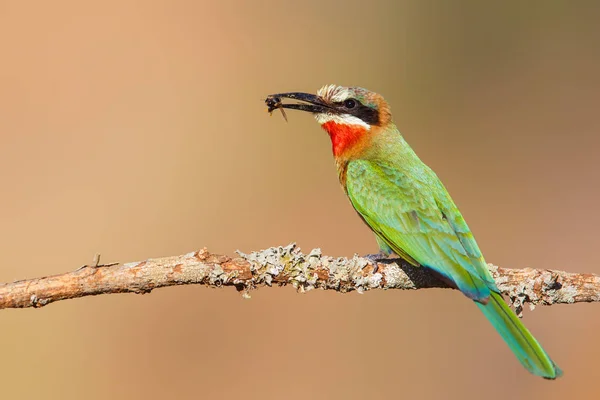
x,y
316,103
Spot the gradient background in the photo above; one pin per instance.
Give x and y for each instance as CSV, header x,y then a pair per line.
x,y
136,129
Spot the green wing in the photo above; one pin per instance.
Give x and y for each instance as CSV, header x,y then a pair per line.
x,y
413,214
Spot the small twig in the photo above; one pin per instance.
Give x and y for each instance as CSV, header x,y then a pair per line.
x,y
283,266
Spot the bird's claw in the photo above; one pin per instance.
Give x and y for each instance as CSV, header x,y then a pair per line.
x,y
375,259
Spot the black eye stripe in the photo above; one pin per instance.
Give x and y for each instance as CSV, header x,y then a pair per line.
x,y
359,110
365,113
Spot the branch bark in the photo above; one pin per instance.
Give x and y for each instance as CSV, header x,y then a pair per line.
x,y
286,266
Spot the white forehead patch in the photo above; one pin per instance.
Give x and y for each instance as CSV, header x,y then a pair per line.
x,y
343,119
334,93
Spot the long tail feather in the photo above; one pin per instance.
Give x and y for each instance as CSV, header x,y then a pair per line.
x,y
519,339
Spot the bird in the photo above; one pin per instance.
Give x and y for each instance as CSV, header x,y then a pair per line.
x,y
408,208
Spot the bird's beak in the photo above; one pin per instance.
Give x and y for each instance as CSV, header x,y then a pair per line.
x,y
316,103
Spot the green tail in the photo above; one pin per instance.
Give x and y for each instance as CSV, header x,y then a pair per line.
x,y
519,339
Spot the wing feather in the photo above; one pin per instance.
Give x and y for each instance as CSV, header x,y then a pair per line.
x,y
413,214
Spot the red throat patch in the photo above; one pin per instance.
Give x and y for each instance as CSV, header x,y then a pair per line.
x,y
344,137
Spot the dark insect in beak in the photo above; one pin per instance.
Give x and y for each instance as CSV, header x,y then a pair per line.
x,y
274,103
316,104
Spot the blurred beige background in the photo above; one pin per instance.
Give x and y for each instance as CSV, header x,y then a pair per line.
x,y
136,129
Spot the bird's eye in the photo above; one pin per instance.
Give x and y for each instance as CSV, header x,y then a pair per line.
x,y
350,103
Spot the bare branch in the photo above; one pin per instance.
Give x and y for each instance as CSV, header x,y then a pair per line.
x,y
285,266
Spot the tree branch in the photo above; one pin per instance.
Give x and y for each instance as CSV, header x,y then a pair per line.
x,y
286,266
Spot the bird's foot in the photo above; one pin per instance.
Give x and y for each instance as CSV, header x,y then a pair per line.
x,y
376,258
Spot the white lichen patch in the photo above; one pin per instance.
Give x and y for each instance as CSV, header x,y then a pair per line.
x,y
395,277
270,259
270,263
340,272
301,269
217,276
374,281
568,293
362,282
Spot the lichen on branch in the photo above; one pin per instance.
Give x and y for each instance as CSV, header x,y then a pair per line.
x,y
286,265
